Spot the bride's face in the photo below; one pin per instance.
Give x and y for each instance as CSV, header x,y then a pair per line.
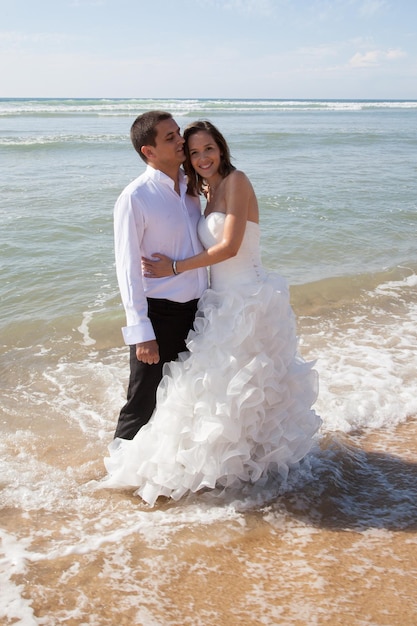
x,y
205,155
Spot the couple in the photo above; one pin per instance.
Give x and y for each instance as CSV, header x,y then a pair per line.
x,y
234,402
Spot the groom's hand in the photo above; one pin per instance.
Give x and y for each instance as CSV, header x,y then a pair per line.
x,y
148,352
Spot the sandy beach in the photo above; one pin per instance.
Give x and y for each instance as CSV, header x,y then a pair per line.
x,y
339,549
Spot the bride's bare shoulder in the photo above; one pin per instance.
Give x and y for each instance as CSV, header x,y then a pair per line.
x,y
237,177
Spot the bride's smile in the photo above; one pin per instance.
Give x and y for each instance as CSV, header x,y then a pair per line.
x,y
205,154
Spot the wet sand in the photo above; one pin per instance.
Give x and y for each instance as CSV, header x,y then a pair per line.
x,y
341,550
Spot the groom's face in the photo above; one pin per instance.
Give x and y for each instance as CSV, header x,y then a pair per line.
x,y
169,146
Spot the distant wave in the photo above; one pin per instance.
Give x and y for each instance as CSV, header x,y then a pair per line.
x,y
121,107
39,141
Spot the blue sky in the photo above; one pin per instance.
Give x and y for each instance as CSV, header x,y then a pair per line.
x,y
209,48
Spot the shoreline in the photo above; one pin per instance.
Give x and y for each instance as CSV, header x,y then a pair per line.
x,y
335,550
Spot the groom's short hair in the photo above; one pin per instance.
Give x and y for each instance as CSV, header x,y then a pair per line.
x,y
143,130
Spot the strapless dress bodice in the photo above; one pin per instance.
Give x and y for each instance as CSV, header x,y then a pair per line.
x,y
246,267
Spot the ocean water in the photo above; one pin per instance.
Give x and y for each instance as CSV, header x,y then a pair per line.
x,y
337,544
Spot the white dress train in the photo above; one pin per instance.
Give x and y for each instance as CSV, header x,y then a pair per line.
x,y
238,404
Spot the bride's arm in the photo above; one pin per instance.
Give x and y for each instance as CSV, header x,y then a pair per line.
x,y
161,265
236,199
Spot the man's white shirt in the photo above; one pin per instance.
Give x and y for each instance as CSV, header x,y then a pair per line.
x,y
149,217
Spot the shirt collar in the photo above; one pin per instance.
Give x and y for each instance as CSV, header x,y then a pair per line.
x,y
159,176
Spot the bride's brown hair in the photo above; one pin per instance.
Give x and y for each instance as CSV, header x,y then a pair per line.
x,y
196,183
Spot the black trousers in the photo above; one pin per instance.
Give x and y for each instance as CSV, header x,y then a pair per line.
x,y
171,322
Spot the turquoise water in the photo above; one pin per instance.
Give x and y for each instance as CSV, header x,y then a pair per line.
x,y
336,182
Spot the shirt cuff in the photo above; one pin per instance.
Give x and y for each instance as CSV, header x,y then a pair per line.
x,y
138,333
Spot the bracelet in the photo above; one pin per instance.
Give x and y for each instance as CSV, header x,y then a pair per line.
x,y
174,268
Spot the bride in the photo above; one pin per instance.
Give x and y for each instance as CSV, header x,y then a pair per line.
x,y
237,406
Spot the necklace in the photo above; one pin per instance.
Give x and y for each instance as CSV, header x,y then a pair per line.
x,y
212,190
211,194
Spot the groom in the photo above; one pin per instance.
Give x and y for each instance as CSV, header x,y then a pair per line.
x,y
154,213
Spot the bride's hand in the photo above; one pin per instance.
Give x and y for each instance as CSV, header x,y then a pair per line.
x,y
157,267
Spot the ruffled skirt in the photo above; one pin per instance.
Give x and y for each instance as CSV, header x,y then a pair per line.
x,y
233,408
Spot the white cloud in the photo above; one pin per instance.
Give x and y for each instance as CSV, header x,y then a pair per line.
x,y
374,58
371,7
395,54
15,39
367,59
257,7
84,3
319,52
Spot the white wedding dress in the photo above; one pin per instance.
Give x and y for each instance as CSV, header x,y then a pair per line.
x,y
238,404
